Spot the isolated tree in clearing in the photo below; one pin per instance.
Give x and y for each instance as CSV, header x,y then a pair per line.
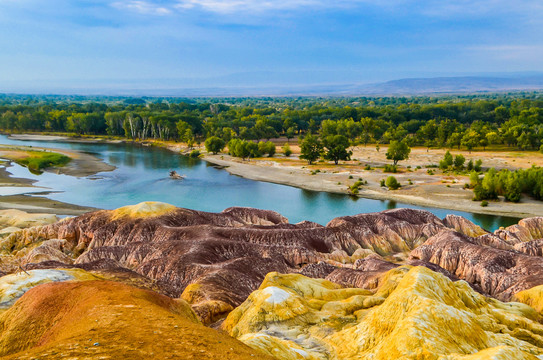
x,y
310,148
397,151
336,148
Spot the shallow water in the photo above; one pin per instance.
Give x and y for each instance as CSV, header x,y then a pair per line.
x,y
142,175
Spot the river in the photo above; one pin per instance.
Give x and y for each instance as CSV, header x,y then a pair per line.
x,y
142,175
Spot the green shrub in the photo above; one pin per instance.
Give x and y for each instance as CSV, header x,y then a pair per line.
x,y
36,163
390,168
382,183
473,179
194,153
214,144
459,161
266,148
484,203
354,188
446,162
392,183
286,150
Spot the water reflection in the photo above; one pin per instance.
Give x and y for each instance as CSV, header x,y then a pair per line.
x,y
391,204
309,195
142,175
493,222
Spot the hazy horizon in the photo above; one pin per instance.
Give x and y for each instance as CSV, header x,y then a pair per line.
x,y
165,44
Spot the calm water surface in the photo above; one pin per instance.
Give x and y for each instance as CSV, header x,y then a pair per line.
x,y
142,175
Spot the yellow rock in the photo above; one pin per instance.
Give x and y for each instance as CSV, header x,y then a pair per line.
x,y
415,313
143,209
532,297
22,219
13,286
8,230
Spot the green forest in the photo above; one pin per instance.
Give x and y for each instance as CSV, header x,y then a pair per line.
x,y
513,120
327,127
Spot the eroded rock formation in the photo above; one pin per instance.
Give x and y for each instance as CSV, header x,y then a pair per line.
x,y
420,315
500,273
108,320
367,286
215,260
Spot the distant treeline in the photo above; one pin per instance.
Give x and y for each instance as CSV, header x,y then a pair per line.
x,y
514,120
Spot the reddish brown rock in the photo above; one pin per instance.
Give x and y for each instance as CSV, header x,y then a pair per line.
x,y
463,226
215,260
526,230
533,248
500,273
387,232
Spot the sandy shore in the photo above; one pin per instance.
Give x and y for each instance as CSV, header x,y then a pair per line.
x,y
439,190
81,165
34,203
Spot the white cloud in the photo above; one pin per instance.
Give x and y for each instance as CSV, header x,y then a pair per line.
x,y
142,7
431,8
478,8
231,6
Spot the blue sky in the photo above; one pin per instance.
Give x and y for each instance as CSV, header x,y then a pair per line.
x,y
58,43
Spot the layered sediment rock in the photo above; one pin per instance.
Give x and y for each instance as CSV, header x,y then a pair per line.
x,y
463,225
500,273
380,286
13,286
526,230
414,314
21,219
215,260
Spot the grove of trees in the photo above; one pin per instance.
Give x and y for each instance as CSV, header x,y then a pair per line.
x,y
512,120
327,127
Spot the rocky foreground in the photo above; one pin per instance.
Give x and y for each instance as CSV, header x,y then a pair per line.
x,y
142,281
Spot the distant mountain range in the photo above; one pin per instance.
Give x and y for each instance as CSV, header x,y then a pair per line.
x,y
266,84
464,84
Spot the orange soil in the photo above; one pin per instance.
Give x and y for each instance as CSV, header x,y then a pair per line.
x,y
109,320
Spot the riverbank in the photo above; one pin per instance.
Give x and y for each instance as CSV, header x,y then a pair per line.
x,y
418,186
446,192
36,202
22,194
80,165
